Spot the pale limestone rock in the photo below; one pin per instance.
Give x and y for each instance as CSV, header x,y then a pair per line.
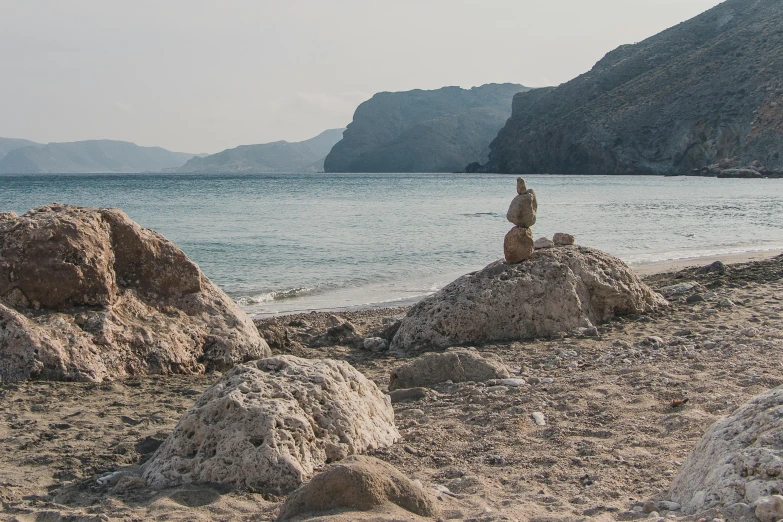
x,y
458,365
738,460
518,245
563,239
543,242
269,424
358,483
86,294
522,211
557,290
521,186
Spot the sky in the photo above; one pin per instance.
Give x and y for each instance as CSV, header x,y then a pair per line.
x,y
201,76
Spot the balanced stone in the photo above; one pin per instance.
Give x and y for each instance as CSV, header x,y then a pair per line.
x,y
522,211
521,186
563,239
518,245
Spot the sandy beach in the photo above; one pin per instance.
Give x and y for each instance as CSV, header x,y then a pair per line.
x,y
614,435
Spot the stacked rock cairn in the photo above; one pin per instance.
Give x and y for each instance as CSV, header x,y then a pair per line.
x,y
518,244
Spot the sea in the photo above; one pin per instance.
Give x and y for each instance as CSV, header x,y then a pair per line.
x,y
285,243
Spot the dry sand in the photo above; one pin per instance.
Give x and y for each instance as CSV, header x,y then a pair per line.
x,y
613,436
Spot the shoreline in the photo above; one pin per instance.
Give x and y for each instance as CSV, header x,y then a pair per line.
x,y
642,269
661,267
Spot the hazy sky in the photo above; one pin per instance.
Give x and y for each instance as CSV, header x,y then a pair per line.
x,y
202,76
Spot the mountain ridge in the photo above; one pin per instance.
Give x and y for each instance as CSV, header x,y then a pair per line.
x,y
89,156
704,90
274,157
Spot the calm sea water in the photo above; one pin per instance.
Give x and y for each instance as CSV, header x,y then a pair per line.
x,y
280,243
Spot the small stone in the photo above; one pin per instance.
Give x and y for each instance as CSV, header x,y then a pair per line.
x,y
563,239
695,298
522,211
726,303
375,344
543,242
408,394
512,382
518,245
669,505
539,418
521,186
654,514
650,506
716,268
769,509
590,331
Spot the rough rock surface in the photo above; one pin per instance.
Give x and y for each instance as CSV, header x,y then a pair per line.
x,y
704,90
739,458
557,290
86,294
518,245
269,424
359,483
457,366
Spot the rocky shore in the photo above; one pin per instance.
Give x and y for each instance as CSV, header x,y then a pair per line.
x,y
586,425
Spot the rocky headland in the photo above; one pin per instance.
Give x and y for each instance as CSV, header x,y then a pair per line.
x,y
706,90
423,131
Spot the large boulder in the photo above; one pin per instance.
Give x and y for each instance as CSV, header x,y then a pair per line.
x,y
269,424
738,460
556,290
458,365
358,483
86,294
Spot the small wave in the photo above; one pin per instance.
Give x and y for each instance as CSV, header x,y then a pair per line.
x,y
481,214
277,295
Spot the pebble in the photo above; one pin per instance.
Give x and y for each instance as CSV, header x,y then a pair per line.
x,y
539,418
375,344
668,505
512,382
650,506
695,298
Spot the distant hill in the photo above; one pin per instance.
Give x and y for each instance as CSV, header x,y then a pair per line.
x,y
9,144
278,156
423,131
89,157
705,90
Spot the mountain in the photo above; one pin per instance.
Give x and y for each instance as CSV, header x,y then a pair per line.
x,y
278,156
705,90
423,131
88,157
9,144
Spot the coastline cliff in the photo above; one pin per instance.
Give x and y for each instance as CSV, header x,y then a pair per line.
x,y
706,90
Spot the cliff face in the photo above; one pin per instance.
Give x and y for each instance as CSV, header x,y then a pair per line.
x,y
90,156
279,156
707,89
423,131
